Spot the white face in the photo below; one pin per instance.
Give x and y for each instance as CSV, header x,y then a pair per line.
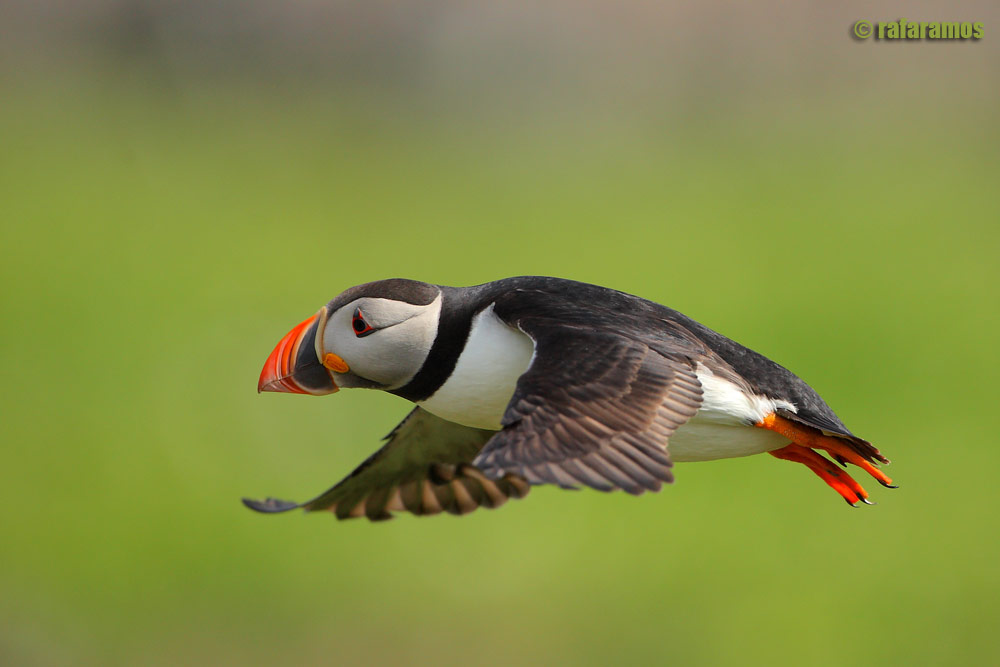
x,y
383,341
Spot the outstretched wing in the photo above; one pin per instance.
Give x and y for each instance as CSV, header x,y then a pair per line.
x,y
424,468
595,408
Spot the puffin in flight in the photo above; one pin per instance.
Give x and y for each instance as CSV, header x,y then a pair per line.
x,y
536,380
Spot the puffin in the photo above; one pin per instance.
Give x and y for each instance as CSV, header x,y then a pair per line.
x,y
537,380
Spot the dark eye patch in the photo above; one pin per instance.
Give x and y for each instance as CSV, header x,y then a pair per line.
x,y
360,325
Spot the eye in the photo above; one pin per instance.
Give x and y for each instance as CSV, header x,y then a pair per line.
x,y
360,325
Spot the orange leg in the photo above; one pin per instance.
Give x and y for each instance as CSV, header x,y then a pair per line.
x,y
807,439
837,479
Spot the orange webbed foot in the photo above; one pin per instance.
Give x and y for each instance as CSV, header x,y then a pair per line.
x,y
839,480
844,455
806,439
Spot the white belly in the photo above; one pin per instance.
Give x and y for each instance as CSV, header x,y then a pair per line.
x,y
704,440
719,429
479,389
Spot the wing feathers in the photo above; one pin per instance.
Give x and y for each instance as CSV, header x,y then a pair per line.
x,y
594,409
424,468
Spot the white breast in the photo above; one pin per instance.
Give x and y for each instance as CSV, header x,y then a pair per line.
x,y
719,430
478,390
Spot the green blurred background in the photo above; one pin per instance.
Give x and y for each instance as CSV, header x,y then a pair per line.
x,y
180,183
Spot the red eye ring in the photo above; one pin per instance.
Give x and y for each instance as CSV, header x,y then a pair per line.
x,y
360,325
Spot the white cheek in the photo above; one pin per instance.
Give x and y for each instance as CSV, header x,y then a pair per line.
x,y
394,355
390,356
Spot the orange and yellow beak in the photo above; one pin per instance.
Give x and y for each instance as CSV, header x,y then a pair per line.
x,y
295,366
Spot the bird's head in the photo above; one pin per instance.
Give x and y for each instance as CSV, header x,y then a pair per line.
x,y
375,335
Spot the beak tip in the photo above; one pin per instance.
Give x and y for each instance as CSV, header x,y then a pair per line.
x,y
284,385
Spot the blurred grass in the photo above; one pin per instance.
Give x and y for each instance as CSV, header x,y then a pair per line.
x,y
157,242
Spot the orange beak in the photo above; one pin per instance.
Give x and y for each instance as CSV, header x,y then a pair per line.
x,y
294,365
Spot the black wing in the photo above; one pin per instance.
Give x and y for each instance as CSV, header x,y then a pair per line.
x,y
424,468
595,408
